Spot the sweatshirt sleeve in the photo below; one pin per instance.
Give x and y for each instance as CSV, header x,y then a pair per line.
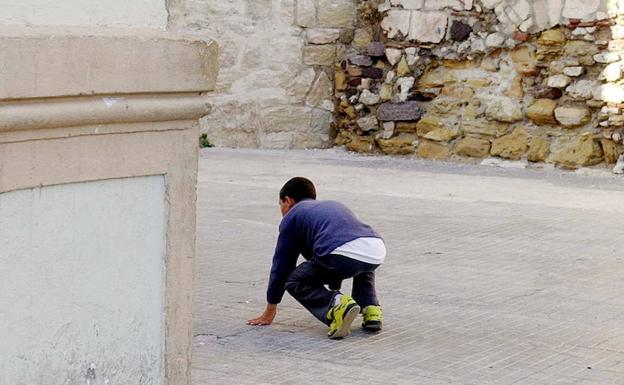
x,y
284,262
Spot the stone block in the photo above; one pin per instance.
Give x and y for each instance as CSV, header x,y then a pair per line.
x,y
321,93
518,11
573,116
368,98
443,134
363,144
375,49
428,27
580,9
427,124
574,71
555,8
472,147
495,40
321,35
362,37
396,22
558,81
368,123
483,127
438,77
512,146
538,149
460,31
407,111
432,150
524,60
582,89
607,57
340,80
552,37
610,93
585,151
306,13
393,55
610,151
543,112
335,13
612,72
504,109
298,84
402,144
322,55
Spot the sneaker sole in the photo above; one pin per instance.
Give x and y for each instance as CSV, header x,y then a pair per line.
x,y
373,326
348,318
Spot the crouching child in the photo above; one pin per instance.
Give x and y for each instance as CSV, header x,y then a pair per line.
x,y
336,246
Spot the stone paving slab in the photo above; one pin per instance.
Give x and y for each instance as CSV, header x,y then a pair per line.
x,y
493,276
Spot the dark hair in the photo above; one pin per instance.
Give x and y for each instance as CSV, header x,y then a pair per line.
x,y
298,188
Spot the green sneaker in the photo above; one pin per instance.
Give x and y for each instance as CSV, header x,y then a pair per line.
x,y
372,318
342,315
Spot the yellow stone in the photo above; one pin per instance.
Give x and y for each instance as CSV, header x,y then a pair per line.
x,y
538,149
511,146
483,127
402,144
446,105
460,64
385,92
402,68
472,147
543,112
442,134
351,112
406,126
432,150
427,124
340,80
479,83
457,91
361,144
362,37
585,151
524,60
553,36
436,78
610,150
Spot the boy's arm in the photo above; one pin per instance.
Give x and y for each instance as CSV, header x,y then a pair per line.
x,y
284,262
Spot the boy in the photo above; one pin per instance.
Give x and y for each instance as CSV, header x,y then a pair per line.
x,y
336,246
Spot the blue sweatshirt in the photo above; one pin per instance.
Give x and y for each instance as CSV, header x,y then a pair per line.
x,y
313,229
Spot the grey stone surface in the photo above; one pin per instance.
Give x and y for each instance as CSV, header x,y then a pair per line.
x,y
493,276
408,111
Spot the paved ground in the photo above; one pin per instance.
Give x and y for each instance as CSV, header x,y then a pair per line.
x,y
494,276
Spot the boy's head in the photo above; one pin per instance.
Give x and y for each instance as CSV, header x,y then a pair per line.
x,y
294,191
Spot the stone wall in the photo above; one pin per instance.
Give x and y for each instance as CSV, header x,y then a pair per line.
x,y
275,82
536,81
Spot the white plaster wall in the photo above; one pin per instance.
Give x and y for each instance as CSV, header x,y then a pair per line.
x,y
82,283
88,13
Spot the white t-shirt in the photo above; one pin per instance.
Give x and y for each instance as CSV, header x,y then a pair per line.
x,y
366,249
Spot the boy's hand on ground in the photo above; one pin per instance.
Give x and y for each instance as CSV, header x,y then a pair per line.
x,y
266,318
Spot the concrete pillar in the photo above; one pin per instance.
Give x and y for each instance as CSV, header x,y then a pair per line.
x,y
98,167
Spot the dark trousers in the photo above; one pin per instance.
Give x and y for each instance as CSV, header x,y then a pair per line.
x,y
307,283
